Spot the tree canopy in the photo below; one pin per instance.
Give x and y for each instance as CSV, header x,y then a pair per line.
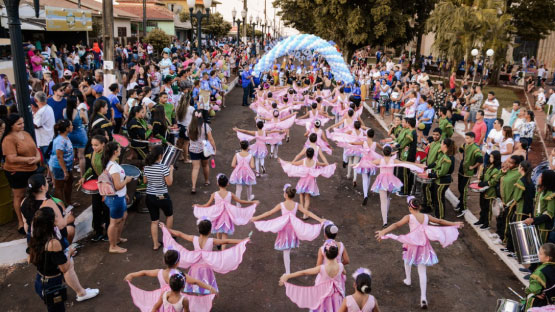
x,y
159,39
532,19
352,24
215,25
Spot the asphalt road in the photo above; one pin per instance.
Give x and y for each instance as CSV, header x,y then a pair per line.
x,y
469,277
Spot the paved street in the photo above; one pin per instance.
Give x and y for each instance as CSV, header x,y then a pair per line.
x,y
469,276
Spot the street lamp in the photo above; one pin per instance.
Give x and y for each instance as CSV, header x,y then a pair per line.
x,y
238,22
253,22
199,15
476,54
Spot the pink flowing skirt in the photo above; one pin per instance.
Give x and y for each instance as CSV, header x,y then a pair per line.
x,y
258,150
242,175
386,182
286,238
307,185
223,224
415,255
202,273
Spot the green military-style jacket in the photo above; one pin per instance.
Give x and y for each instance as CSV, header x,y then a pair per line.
x,y
446,128
507,184
471,155
491,176
433,153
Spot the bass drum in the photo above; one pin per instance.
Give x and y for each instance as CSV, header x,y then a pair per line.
x,y
526,242
508,305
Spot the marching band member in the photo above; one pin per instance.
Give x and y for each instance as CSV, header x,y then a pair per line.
x,y
471,160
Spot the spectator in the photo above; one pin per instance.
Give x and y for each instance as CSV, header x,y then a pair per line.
x,y
78,136
493,138
551,101
61,161
517,124
540,100
57,101
490,107
479,128
246,83
527,128
116,107
507,143
21,159
198,131
514,112
44,121
36,65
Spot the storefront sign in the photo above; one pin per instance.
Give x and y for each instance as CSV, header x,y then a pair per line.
x,y
62,19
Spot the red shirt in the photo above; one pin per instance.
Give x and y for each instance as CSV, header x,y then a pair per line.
x,y
479,130
452,82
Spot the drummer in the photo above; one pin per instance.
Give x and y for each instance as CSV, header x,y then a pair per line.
x,y
441,173
434,150
541,290
509,176
490,178
160,125
93,163
523,196
545,205
407,141
471,159
139,131
169,111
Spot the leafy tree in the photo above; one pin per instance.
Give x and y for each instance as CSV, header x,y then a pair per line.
x,y
159,39
532,19
215,25
352,24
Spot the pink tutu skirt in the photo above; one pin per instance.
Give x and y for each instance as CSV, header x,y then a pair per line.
x,y
258,150
223,224
331,303
366,165
307,185
351,151
415,255
386,182
202,273
286,238
242,176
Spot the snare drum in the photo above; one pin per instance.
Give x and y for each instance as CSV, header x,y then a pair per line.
x,y
153,142
131,171
90,187
423,178
508,305
123,141
526,242
476,189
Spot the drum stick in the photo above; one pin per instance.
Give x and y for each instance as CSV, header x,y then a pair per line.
x,y
514,292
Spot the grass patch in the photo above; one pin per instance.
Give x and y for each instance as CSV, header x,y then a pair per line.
x,y
505,96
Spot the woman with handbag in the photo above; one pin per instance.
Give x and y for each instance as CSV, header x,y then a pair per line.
x,y
201,147
53,265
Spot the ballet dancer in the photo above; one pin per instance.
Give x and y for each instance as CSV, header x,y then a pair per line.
x,y
278,124
258,149
288,227
307,169
202,261
312,143
223,215
321,139
386,182
330,232
312,115
329,288
365,167
361,300
243,175
172,300
417,249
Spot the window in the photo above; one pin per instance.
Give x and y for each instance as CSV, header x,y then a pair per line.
x,y
122,32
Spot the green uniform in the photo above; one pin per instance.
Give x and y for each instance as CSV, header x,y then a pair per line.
x,y
544,212
405,138
94,165
471,156
431,157
397,130
441,172
519,198
446,128
169,111
541,282
506,187
138,131
490,177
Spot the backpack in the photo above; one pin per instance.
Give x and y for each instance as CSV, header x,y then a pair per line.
x,y
106,184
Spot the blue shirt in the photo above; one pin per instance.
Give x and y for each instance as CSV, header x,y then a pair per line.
x,y
215,83
429,113
421,108
356,93
398,75
246,78
61,144
205,85
114,101
57,107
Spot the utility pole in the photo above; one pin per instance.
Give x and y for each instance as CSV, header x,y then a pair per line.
x,y
108,32
245,21
265,21
144,18
18,59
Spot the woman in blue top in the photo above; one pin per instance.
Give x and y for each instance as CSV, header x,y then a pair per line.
x,y
61,161
78,136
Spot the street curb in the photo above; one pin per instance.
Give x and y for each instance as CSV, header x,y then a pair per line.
x,y
14,252
511,263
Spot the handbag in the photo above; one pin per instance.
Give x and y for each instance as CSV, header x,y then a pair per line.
x,y
106,184
207,149
53,294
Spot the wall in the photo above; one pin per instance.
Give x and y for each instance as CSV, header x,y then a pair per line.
x,y
546,52
118,22
167,27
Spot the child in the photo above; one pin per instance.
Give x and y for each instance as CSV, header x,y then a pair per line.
x,y
541,292
417,249
223,214
361,300
172,300
365,166
258,149
242,175
330,232
288,227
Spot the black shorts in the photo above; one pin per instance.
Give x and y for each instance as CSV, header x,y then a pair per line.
x,y
155,203
18,179
183,132
197,156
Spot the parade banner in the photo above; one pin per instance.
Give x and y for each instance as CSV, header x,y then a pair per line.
x,y
62,19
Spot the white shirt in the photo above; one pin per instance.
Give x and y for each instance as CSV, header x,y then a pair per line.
x,y
491,104
541,72
149,49
44,120
496,137
116,168
551,101
165,62
188,116
516,125
503,148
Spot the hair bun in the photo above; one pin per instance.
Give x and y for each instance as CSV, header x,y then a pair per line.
x,y
334,229
364,288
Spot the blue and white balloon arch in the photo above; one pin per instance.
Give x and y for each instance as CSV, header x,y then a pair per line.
x,y
337,65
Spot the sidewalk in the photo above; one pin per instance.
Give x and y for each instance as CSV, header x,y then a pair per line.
x,y
473,203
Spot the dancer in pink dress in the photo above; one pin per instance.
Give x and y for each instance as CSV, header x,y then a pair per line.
x,y
361,300
258,149
386,182
243,175
347,123
312,115
352,148
223,215
417,249
145,300
307,170
329,288
312,139
281,125
288,227
366,166
203,262
321,139
330,232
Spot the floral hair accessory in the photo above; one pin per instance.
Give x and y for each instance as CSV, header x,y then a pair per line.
x,y
219,175
329,243
411,203
286,186
361,271
333,228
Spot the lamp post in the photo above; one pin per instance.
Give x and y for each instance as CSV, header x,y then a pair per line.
x,y
253,23
199,15
476,54
238,22
18,59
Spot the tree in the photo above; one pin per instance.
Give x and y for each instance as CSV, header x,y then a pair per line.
x,y
215,25
352,24
532,19
159,39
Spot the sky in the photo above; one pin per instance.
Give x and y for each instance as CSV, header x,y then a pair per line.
x,y
254,8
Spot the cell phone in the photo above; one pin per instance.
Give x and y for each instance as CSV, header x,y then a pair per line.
x,y
69,209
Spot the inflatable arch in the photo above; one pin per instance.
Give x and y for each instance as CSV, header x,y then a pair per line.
x,y
337,65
